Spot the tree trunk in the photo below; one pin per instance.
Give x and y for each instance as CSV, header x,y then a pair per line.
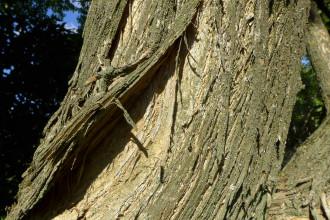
x,y
195,128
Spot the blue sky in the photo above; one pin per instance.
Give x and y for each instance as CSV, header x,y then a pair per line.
x,y
305,61
70,18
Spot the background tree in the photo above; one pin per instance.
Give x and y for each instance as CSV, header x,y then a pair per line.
x,y
304,182
173,150
309,110
37,55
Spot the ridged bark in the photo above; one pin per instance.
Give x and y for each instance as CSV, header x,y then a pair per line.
x,y
305,180
212,104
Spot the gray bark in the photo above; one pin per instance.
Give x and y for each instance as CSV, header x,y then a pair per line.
x,y
211,105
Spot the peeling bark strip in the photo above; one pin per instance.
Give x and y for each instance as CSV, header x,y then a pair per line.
x,y
211,104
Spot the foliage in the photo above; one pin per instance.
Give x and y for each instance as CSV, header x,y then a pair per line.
x,y
324,6
37,54
308,112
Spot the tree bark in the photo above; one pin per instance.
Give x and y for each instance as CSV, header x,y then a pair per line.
x,y
305,179
318,46
196,130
